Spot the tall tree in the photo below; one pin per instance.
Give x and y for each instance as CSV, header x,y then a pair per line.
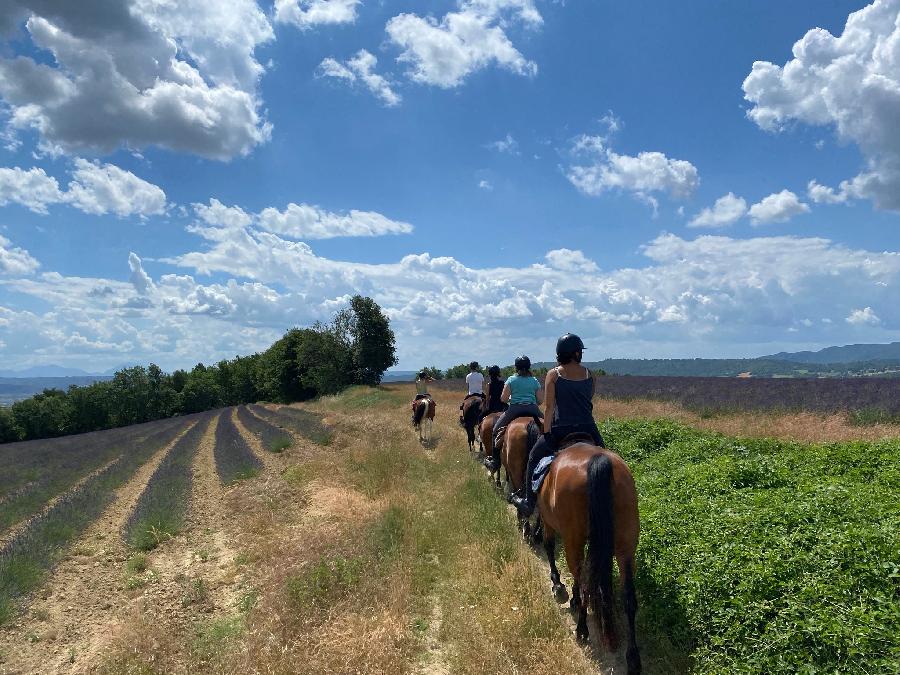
x,y
373,345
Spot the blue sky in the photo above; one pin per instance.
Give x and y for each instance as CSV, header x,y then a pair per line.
x,y
183,184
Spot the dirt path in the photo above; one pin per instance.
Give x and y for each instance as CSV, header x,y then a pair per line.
x,y
85,594
14,530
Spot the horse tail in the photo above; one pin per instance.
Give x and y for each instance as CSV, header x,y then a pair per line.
x,y
419,411
471,411
600,535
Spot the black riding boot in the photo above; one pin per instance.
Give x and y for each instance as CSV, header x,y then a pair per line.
x,y
543,448
493,462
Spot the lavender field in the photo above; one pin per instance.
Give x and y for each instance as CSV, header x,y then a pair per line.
x,y
874,398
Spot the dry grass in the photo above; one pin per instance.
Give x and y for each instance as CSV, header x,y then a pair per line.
x,y
805,427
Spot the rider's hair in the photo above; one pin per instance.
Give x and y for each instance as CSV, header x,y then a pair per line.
x,y
473,366
568,357
422,375
494,372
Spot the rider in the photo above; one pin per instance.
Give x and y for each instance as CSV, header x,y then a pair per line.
x,y
523,393
570,388
475,385
422,380
493,403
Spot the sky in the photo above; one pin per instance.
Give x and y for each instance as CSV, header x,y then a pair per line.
x,y
183,182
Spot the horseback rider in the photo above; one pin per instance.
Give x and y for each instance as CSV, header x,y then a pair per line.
x,y
523,393
569,389
475,386
493,403
422,380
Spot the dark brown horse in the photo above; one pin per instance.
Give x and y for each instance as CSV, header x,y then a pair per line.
x,y
423,417
471,411
486,432
521,435
589,497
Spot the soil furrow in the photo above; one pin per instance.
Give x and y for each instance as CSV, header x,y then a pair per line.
x,y
84,596
264,456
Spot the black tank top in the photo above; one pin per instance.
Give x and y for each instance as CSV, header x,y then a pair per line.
x,y
495,388
573,401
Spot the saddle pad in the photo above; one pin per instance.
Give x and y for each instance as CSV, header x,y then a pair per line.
x,y
540,472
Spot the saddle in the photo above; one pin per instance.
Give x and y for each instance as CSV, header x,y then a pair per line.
x,y
543,466
534,427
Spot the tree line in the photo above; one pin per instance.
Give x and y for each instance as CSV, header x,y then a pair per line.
x,y
356,347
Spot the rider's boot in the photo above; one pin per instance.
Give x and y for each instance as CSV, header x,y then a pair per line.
x,y
493,462
525,504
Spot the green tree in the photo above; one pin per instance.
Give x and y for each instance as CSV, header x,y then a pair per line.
x,y
43,415
89,407
202,391
373,343
433,372
8,430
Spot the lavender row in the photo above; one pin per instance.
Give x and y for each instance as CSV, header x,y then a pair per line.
x,y
234,458
272,438
27,558
162,507
726,393
305,423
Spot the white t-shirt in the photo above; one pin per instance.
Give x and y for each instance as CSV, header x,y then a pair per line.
x,y
475,382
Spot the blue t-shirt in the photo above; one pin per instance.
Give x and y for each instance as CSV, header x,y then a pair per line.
x,y
523,389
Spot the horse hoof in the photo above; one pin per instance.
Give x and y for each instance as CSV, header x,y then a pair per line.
x,y
560,593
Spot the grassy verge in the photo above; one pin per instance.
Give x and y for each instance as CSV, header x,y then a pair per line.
x,y
25,561
769,556
161,508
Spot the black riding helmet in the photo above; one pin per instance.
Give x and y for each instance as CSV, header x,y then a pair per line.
x,y
569,344
523,363
494,371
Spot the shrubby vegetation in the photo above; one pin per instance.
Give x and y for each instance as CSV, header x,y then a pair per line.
x,y
355,348
767,556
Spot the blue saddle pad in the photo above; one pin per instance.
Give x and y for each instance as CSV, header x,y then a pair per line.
x,y
540,472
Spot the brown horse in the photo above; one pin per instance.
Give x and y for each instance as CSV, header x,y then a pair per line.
x,y
471,411
589,497
486,432
423,417
521,435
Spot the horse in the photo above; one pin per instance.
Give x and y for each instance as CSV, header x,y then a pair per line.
x,y
486,432
589,496
423,417
521,435
471,411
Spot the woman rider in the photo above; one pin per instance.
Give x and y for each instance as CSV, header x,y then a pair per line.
x,y
422,380
493,403
570,388
523,393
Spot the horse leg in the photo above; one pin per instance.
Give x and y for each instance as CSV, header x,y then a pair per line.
x,y
559,588
575,559
632,656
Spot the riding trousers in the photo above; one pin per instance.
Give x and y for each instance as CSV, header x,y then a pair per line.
x,y
548,445
518,410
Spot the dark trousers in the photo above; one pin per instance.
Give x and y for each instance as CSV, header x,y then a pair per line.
x,y
548,445
517,410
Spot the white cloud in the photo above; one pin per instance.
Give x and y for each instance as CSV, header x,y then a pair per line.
x,y
822,194
643,175
860,317
178,75
726,211
306,14
95,188
777,208
105,188
571,261
486,185
297,221
360,68
444,53
141,281
850,82
508,145
31,188
15,261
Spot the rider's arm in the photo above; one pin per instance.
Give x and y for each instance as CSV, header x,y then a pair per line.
x,y
549,399
505,394
539,395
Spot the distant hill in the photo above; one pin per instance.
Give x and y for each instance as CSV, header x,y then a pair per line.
x,y
50,370
14,389
845,354
399,376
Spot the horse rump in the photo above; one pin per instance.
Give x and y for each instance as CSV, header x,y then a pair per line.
x,y
419,409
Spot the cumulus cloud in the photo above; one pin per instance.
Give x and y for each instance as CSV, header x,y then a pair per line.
x,y
361,69
486,185
31,188
105,188
822,194
850,82
444,53
14,260
177,75
306,14
643,175
726,211
141,281
865,316
95,188
296,221
508,145
777,208
569,260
